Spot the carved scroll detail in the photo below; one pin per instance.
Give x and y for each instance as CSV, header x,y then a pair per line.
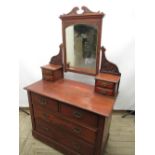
x,y
107,66
85,11
57,60
73,11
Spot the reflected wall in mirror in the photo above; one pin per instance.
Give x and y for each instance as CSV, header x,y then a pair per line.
x,y
81,47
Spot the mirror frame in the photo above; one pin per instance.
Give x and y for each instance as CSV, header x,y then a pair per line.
x,y
87,17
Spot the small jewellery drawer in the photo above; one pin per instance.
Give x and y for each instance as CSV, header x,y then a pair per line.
x,y
79,115
104,91
52,72
65,139
48,77
39,101
104,84
86,134
47,72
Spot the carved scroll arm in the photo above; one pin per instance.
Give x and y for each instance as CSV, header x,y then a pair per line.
x,y
107,66
57,60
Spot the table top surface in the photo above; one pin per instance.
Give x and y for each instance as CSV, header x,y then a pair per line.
x,y
51,67
108,77
75,93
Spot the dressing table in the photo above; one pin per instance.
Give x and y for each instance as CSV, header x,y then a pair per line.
x,y
70,116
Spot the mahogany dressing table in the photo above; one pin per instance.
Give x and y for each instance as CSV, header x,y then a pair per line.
x,y
71,116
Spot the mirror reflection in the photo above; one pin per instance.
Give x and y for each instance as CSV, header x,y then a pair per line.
x,y
81,44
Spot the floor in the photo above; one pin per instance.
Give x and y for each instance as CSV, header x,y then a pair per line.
x,y
121,140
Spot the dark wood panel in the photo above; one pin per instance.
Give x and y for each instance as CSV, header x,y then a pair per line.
x,y
47,71
44,102
54,144
65,139
104,84
79,115
48,77
104,91
31,109
52,72
67,126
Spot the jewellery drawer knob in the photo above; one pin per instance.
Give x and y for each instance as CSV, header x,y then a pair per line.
x,y
77,114
77,130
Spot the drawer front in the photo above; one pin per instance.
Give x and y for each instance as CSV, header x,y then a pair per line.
x,y
79,115
42,102
104,84
72,128
48,77
104,91
47,72
61,137
58,74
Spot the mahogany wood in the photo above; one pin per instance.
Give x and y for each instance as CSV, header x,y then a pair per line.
x,y
31,109
66,139
68,115
108,77
79,115
104,84
105,91
107,84
107,66
55,129
58,60
66,126
76,94
44,103
52,72
54,144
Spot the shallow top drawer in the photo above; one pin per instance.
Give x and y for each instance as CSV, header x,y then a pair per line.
x,y
79,115
105,84
43,102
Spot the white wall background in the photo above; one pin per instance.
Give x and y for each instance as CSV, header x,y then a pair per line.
x,y
40,34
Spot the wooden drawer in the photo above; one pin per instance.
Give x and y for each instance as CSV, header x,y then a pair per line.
x,y
42,102
48,77
80,116
104,91
86,134
52,75
47,72
105,84
72,142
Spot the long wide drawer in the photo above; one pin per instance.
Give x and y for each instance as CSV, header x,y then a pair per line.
x,y
87,134
79,115
63,138
44,102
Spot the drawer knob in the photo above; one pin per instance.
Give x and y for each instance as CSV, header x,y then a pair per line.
x,y
77,114
77,130
46,129
42,101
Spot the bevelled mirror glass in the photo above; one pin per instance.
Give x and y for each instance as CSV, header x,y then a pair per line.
x,y
81,47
